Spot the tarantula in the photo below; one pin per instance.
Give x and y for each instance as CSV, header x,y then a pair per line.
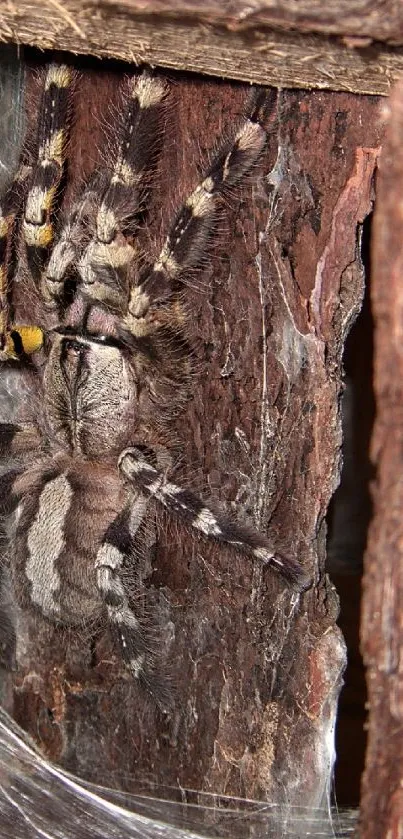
x,y
111,360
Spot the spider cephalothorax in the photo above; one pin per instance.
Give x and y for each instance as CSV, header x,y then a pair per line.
x,y
89,460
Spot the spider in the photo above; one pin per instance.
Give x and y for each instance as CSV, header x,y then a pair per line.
x,y
109,361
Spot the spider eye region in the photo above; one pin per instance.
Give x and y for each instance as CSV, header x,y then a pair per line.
x,y
73,347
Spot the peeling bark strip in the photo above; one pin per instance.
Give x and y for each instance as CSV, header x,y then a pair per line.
x,y
382,629
283,44
350,210
257,673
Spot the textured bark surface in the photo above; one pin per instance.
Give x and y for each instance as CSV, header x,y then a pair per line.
x,y
257,671
337,46
382,798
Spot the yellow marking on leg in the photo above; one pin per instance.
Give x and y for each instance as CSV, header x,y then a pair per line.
x,y
59,75
19,340
31,337
201,200
149,91
39,236
124,174
53,147
166,262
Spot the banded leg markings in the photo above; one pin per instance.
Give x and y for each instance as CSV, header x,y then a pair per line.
x,y
203,518
116,550
38,227
188,243
104,265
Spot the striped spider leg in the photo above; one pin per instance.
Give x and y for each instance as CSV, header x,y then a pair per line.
x,y
27,207
98,238
14,340
26,235
203,518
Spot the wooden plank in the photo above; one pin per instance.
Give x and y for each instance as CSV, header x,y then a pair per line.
x,y
382,629
367,20
214,42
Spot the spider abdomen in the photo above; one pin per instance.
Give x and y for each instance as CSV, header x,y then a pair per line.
x,y
64,510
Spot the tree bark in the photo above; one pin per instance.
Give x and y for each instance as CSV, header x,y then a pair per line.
x,y
257,670
382,797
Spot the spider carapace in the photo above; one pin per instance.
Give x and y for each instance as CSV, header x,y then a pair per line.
x,y
88,460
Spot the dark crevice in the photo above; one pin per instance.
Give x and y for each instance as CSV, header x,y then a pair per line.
x,y
349,517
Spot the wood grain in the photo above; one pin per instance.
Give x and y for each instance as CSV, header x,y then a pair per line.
x,y
382,629
281,44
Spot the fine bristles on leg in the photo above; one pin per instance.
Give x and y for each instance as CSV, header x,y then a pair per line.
x,y
188,243
34,189
137,153
115,558
37,225
202,518
72,239
10,210
104,264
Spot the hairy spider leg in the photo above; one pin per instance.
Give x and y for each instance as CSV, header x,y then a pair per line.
x,y
35,187
127,536
15,341
72,240
116,546
154,300
204,519
104,264
37,226
114,200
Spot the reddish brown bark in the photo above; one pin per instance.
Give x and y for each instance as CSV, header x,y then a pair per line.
x,y
258,674
382,633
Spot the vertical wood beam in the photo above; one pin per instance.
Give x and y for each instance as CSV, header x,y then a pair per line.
x,y
382,626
